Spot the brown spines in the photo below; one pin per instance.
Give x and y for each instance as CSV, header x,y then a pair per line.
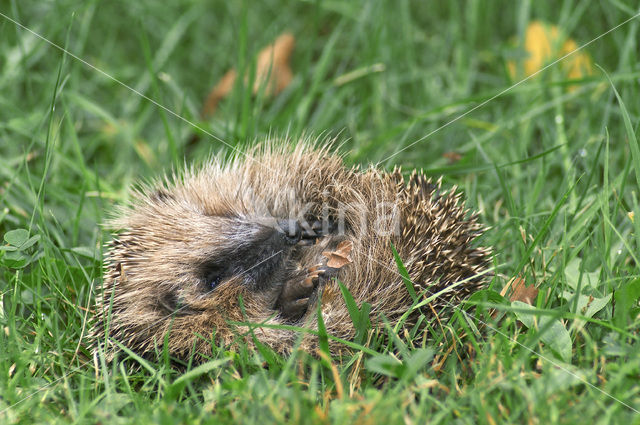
x,y
439,233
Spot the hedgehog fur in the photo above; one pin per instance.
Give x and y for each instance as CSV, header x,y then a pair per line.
x,y
220,253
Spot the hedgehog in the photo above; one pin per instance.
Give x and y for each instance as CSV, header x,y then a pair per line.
x,y
220,254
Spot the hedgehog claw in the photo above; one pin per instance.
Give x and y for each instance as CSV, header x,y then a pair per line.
x,y
317,270
322,270
310,282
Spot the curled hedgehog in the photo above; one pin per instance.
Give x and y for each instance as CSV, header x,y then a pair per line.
x,y
214,254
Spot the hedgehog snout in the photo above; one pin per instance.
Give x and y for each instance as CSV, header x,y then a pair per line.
x,y
296,232
290,230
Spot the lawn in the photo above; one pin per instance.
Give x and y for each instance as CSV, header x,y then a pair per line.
x,y
96,96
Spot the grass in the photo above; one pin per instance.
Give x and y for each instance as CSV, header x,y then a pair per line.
x,y
552,164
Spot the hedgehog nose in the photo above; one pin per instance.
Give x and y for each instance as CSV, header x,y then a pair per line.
x,y
292,231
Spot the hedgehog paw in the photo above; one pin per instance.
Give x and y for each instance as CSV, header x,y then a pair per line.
x,y
294,299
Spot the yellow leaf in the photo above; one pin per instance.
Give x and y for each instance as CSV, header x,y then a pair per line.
x,y
544,44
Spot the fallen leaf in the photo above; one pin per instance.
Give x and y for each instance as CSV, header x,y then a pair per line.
x,y
341,256
273,67
273,72
520,291
452,157
542,44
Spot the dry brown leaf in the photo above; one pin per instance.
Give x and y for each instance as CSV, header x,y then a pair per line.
x,y
272,66
542,43
520,291
273,72
452,157
341,256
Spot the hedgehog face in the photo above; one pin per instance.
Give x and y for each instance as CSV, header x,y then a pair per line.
x,y
253,253
193,259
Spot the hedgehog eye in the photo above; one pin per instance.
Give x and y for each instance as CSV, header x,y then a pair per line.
x,y
214,281
212,276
